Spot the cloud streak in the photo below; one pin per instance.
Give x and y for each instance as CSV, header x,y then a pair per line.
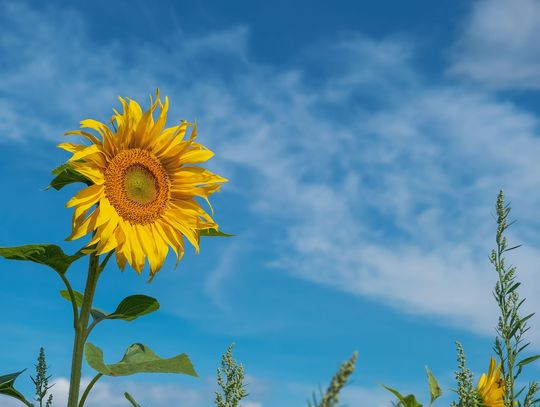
x,y
376,183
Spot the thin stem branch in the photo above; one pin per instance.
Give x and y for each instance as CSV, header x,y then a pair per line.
x,y
72,298
88,388
105,260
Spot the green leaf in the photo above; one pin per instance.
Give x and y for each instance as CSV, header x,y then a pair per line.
x,y
47,254
65,175
528,360
435,390
138,359
6,386
408,401
98,315
130,308
78,297
131,400
213,232
133,307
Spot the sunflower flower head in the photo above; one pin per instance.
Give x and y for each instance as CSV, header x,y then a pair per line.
x,y
145,186
491,386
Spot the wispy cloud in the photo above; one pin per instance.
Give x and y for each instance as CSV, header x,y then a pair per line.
x,y
374,182
498,44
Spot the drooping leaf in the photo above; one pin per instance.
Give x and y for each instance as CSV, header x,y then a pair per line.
x,y
213,232
408,401
65,175
131,400
138,359
78,296
435,390
6,386
46,254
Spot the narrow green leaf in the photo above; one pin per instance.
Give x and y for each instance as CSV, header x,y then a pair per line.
x,y
78,297
435,390
213,232
46,254
514,287
131,400
65,175
528,360
6,386
138,359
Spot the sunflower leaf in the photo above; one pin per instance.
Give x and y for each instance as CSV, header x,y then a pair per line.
x,y
408,401
78,297
435,390
213,232
133,307
6,386
138,359
65,175
131,400
46,254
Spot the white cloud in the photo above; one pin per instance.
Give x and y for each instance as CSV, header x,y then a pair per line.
x,y
377,184
110,393
365,396
498,45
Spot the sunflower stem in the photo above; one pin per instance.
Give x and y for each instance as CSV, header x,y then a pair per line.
x,y
81,330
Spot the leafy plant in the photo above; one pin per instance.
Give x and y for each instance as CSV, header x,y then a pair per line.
x,y
512,325
230,378
331,397
41,381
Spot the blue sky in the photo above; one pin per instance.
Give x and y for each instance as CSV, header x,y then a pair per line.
x,y
365,145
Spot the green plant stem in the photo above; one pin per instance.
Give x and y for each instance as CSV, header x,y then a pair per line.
x,y
88,388
27,403
72,298
80,331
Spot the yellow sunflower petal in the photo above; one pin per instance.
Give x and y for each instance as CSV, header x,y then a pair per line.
x,y
88,195
71,147
142,200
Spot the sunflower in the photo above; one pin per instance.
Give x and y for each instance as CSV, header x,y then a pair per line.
x,y
143,186
491,387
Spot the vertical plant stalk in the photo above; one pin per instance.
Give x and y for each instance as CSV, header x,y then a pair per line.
x,y
94,270
512,325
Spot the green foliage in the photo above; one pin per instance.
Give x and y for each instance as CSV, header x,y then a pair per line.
x,y
46,254
138,359
133,307
78,296
41,381
131,400
130,308
231,380
331,397
405,401
467,393
7,388
435,390
511,325
213,232
65,175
